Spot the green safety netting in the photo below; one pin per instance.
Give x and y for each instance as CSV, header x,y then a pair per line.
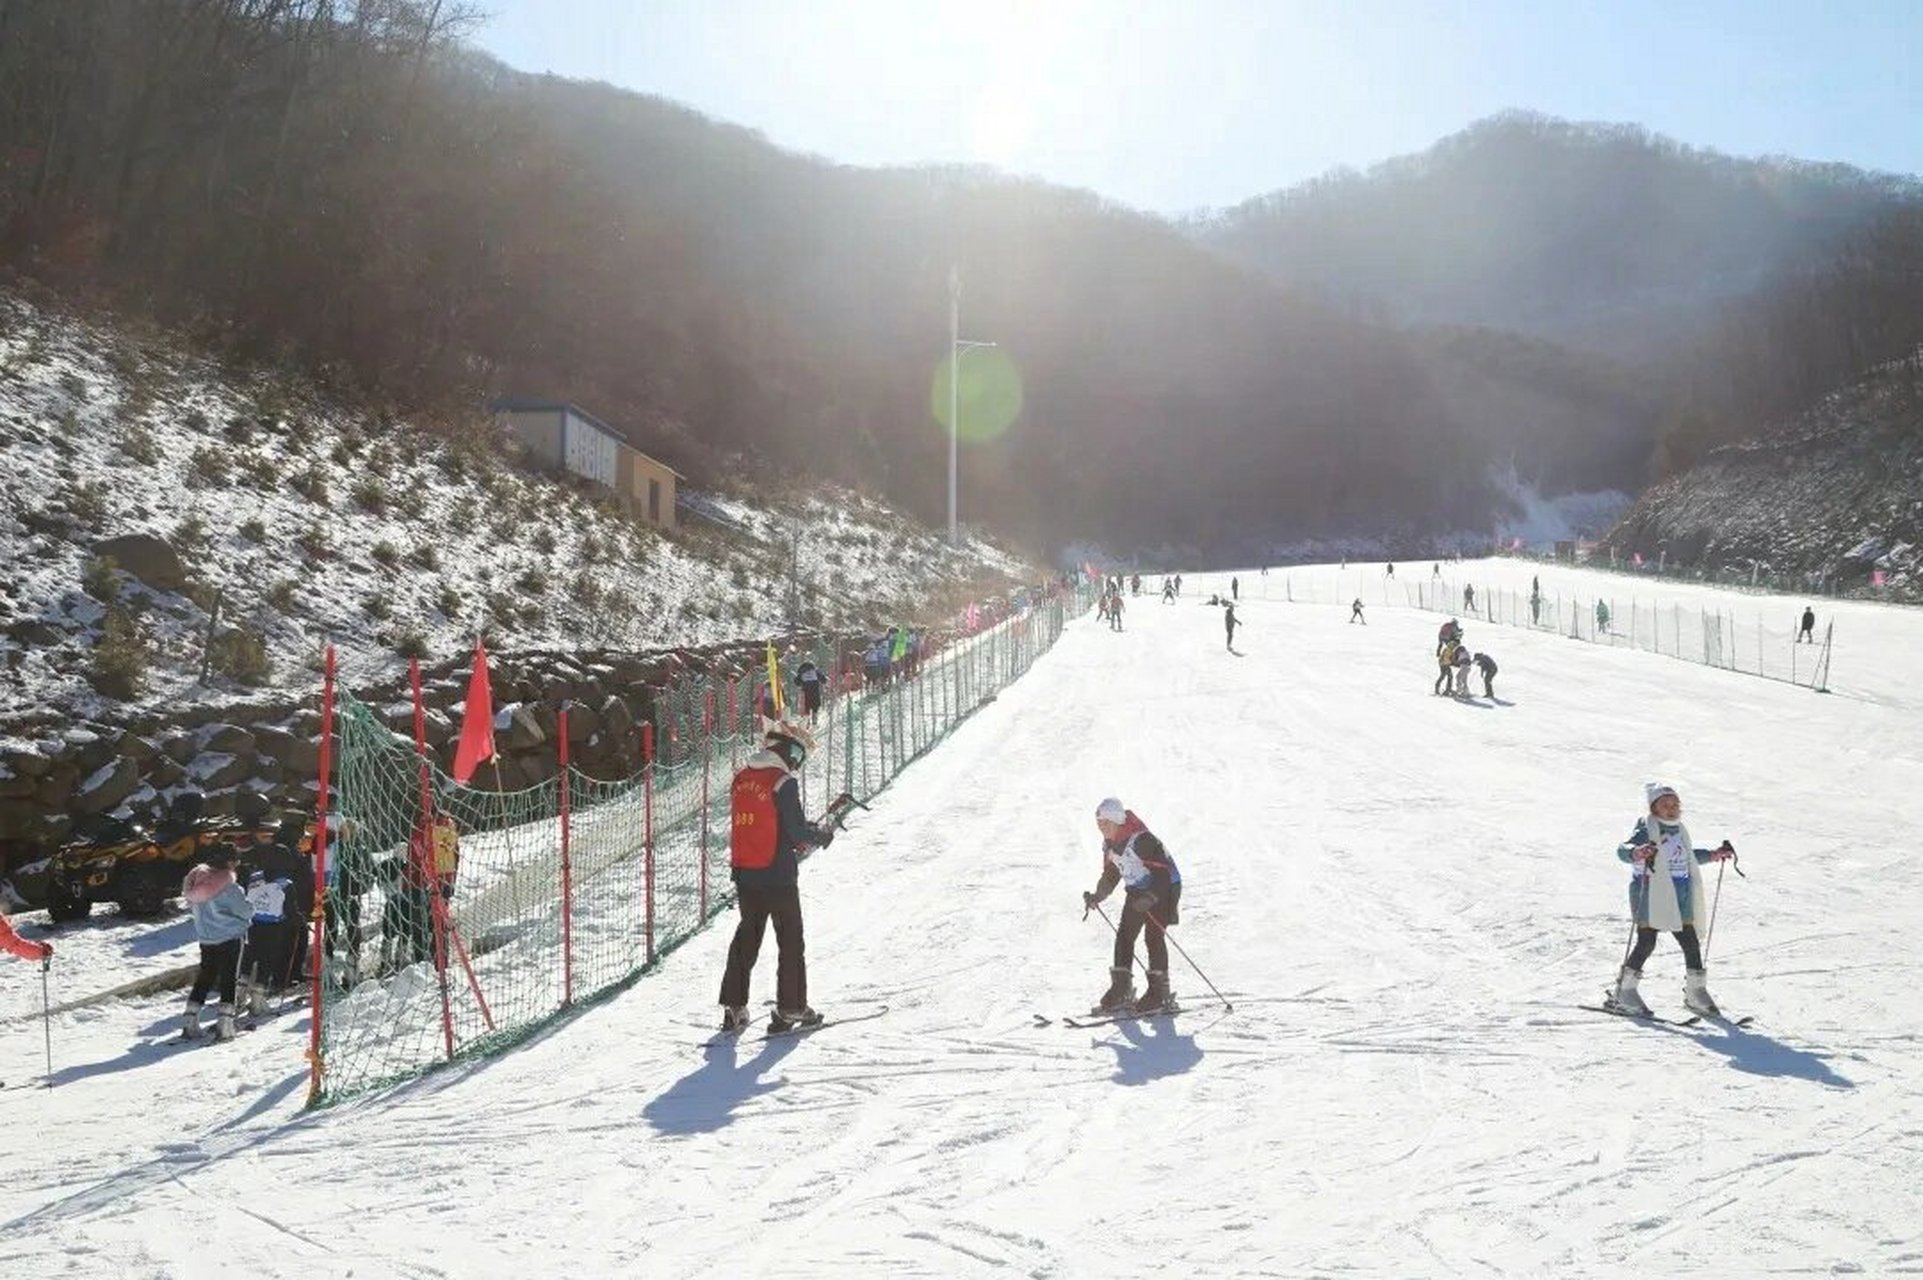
x,y
549,899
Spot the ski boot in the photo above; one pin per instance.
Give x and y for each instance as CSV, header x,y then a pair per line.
x,y
1625,998
793,1020
1120,995
190,1023
256,1000
1696,995
1158,998
224,1025
734,1017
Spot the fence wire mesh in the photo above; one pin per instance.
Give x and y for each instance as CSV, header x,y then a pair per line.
x,y
460,935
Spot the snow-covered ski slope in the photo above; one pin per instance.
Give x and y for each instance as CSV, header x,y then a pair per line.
x,y
1414,892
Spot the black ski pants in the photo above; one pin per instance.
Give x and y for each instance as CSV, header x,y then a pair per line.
x,y
1488,685
219,968
1646,943
758,905
1136,923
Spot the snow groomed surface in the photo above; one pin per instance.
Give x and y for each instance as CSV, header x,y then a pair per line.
x,y
1415,894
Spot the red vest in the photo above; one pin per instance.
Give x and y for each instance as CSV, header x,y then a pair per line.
x,y
754,839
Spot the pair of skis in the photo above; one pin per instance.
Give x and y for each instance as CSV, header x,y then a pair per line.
x,y
1097,1018
1693,1020
745,1036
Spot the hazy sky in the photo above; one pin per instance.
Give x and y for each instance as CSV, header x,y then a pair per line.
x,y
1174,105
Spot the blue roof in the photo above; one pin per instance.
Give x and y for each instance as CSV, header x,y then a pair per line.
x,y
534,404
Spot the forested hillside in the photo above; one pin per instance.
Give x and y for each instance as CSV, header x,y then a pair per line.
x,y
345,187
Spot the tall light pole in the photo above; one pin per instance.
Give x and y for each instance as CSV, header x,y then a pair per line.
x,y
955,348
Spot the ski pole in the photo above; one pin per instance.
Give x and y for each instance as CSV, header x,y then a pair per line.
x,y
1191,963
46,1016
1716,898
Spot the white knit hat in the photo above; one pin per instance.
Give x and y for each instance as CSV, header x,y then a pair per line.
x,y
1654,791
1110,810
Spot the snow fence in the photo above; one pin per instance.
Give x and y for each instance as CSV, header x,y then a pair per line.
x,y
1691,631
559,895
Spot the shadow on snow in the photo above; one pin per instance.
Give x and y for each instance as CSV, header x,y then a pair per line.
x,y
706,1098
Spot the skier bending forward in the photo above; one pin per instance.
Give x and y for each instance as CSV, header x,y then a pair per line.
x,y
1666,893
1153,887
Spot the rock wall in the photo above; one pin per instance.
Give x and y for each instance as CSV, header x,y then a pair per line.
x,y
54,777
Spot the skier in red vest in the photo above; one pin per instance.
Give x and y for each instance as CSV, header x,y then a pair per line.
x,y
769,833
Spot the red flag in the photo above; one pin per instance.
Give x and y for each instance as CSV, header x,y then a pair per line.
x,y
477,720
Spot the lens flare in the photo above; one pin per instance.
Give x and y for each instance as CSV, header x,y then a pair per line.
x,y
989,395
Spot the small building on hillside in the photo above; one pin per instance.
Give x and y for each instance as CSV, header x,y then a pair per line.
x,y
568,438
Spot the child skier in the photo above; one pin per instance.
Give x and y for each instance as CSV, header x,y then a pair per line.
x,y
1487,665
222,917
1152,888
1355,612
1229,625
1666,893
1462,671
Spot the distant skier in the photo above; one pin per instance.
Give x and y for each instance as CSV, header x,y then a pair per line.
x,y
1152,889
768,833
1468,599
1355,612
1168,591
1666,893
1135,584
1487,665
1235,588
809,677
1808,633
1535,602
1602,618
1228,625
1178,584
222,917
1115,612
1389,570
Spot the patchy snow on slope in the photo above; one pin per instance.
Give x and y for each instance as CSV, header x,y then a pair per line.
x,y
311,523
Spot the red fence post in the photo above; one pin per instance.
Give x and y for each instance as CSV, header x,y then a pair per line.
x,y
567,867
647,792
318,950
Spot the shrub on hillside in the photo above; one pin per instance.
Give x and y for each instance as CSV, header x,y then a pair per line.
x,y
410,643
190,535
311,484
207,469
378,606
370,493
386,554
118,667
85,502
313,540
544,541
100,580
424,556
138,443
281,594
448,601
240,654
253,529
